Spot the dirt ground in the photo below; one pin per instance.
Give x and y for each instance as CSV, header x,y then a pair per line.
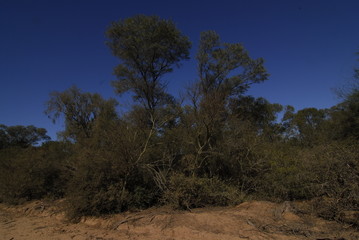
x,y
256,220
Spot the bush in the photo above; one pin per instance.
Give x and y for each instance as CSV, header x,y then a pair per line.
x,y
107,183
336,167
327,173
287,176
33,173
193,192
98,187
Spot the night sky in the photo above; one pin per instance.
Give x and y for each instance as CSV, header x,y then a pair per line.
x,y
308,46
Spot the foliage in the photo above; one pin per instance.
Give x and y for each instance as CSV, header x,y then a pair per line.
x,y
34,173
193,192
79,111
345,118
259,112
148,48
336,168
308,126
21,136
112,172
219,63
225,73
96,188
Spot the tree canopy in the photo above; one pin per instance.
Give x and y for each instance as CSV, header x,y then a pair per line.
x,y
21,136
80,110
148,48
226,67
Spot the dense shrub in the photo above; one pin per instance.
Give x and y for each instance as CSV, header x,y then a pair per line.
x,y
95,191
336,167
192,192
34,172
110,177
286,177
327,173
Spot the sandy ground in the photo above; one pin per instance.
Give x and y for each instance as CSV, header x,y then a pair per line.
x,y
250,220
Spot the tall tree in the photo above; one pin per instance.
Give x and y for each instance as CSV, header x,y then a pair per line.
x,y
225,71
148,48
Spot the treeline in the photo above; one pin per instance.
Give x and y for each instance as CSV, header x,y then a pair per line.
x,y
216,146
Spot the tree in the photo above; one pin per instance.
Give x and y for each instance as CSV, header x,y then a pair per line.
x,y
345,115
226,68
21,136
148,48
80,111
308,125
225,72
258,112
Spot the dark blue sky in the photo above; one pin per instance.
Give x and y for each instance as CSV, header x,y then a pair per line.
x,y
308,46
